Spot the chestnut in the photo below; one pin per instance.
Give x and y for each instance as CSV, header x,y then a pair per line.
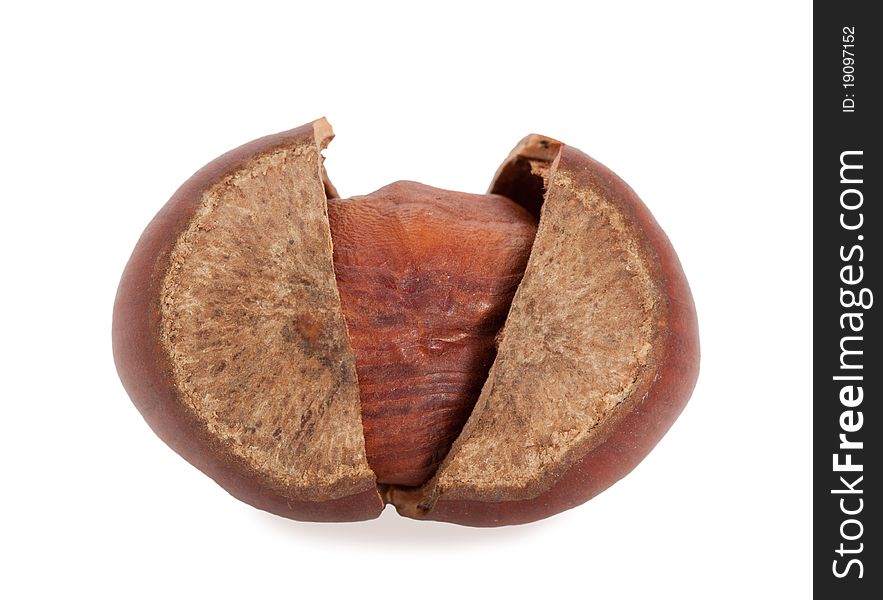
x,y
479,359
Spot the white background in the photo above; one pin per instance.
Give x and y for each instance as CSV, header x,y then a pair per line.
x,y
705,109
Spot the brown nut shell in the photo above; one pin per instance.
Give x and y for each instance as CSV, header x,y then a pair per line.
x,y
229,337
580,191
146,367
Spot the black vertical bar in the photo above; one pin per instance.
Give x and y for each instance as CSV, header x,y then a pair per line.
x,y
847,227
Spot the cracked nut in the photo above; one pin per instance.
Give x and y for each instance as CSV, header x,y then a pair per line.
x,y
479,359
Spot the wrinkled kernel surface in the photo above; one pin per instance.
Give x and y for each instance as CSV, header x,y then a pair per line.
x,y
426,277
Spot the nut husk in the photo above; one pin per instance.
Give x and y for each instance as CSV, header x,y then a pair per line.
x,y
230,339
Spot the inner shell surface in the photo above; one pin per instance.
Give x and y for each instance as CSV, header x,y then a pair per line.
x,y
578,341
252,324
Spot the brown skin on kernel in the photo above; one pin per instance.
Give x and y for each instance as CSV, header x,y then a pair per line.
x,y
422,307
